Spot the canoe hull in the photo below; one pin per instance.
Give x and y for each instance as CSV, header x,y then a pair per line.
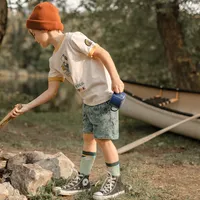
x,y
158,117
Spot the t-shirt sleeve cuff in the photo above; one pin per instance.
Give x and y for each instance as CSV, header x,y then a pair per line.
x,y
61,79
92,50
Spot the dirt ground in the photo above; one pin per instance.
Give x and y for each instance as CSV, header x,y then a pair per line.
x,y
158,170
180,182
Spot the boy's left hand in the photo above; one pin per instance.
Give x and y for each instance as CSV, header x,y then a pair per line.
x,y
117,85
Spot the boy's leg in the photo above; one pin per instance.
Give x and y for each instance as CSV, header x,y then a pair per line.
x,y
88,154
110,155
112,186
81,182
104,123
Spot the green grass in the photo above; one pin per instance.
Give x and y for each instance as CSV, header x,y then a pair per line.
x,y
45,193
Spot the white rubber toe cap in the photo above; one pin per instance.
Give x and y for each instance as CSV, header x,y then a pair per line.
x,y
98,194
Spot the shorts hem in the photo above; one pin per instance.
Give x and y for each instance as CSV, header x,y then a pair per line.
x,y
105,138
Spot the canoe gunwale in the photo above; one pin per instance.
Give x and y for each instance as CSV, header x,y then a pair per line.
x,y
160,107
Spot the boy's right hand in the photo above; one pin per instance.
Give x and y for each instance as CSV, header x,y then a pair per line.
x,y
16,111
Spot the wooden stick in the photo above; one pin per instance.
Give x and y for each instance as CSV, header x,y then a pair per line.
x,y
8,117
136,143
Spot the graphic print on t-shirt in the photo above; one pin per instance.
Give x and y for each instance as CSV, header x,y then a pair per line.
x,y
65,65
80,86
88,42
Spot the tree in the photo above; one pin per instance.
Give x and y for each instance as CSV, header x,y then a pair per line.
x,y
179,59
150,41
3,18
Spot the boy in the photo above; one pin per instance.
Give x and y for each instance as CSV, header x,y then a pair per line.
x,y
91,70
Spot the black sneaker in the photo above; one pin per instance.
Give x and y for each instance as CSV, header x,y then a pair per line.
x,y
111,188
78,184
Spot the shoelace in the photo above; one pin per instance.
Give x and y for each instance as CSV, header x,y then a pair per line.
x,y
108,184
74,181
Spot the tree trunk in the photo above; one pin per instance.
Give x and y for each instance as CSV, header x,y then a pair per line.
x,y
3,18
179,60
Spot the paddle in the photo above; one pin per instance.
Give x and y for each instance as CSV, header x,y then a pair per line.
x,y
8,117
136,143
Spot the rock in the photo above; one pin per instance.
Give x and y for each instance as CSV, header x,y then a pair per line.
x,y
27,178
7,192
3,164
3,197
4,175
31,170
19,159
3,192
59,164
6,155
10,189
33,157
21,197
25,158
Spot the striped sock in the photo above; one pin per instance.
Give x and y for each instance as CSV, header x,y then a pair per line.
x,y
87,161
114,168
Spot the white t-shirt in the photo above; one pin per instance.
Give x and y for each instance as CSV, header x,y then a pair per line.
x,y
73,62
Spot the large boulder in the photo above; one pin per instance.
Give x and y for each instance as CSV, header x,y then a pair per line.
x,y
30,170
59,164
25,158
27,178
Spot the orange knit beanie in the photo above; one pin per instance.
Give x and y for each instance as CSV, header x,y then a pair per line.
x,y
45,16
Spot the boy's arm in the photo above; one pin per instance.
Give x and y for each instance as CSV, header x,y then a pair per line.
x,y
105,58
53,87
51,92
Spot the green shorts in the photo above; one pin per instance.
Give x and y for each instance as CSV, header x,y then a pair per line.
x,y
101,121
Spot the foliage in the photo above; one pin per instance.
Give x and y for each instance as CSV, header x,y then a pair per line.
x,y
9,99
15,92
191,29
127,29
132,39
45,193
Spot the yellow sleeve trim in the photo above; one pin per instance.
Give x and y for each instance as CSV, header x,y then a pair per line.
x,y
61,79
92,50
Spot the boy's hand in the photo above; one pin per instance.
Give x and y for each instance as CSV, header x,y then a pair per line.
x,y
117,85
16,111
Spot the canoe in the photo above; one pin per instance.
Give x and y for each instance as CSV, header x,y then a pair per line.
x,y
163,107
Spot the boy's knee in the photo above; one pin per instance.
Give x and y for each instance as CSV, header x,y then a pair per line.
x,y
102,142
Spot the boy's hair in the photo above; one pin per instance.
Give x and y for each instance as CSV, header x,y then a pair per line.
x,y
45,16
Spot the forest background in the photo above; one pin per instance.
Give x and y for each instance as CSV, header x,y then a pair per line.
x,y
155,42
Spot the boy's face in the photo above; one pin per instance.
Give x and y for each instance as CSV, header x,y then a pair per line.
x,y
40,36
